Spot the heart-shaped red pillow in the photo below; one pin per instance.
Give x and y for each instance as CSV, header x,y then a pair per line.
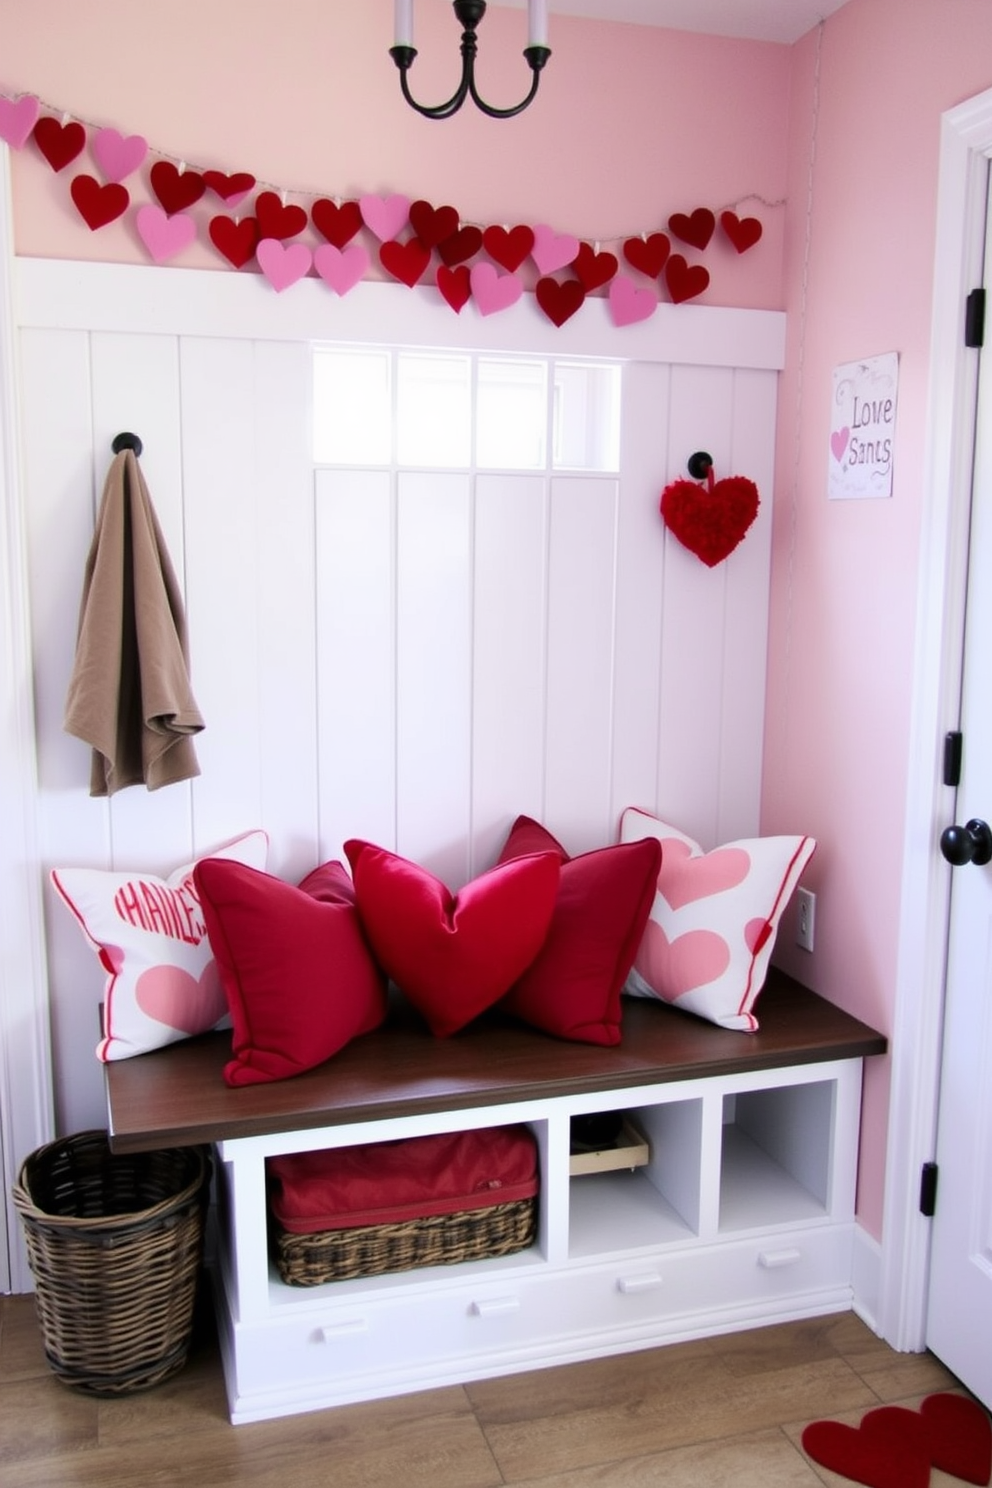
x,y
710,520
454,955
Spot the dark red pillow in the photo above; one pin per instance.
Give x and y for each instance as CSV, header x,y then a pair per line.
x,y
299,978
453,955
604,898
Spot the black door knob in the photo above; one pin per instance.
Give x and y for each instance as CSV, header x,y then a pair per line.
x,y
968,844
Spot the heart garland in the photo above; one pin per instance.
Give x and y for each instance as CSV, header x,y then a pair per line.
x,y
165,229
894,1447
712,519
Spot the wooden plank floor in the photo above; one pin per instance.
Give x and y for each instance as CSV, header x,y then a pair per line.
x,y
719,1413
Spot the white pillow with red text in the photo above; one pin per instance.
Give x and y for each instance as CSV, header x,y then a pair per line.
x,y
151,940
709,938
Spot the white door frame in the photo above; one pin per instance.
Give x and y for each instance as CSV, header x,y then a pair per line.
x,y
966,144
25,1065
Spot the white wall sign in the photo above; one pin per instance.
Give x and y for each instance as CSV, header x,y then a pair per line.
x,y
862,427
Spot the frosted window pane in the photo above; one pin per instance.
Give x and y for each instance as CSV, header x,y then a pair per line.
x,y
587,416
351,413
512,415
433,410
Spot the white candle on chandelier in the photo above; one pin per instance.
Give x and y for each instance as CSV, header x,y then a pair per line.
x,y
403,23
537,23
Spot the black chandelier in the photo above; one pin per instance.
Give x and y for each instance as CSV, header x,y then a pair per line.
x,y
469,13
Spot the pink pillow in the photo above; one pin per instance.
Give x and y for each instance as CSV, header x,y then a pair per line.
x,y
604,897
709,939
453,955
299,978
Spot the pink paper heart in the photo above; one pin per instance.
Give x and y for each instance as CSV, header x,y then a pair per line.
x,y
341,268
676,967
552,250
164,236
174,997
628,303
118,155
17,119
756,932
386,216
493,291
838,442
283,264
684,879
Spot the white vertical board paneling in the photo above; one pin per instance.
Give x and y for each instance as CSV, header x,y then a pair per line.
x,y
581,613
356,658
433,672
508,667
641,548
227,599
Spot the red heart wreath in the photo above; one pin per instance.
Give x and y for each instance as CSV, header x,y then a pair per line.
x,y
710,520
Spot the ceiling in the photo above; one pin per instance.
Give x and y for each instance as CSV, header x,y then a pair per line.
x,y
761,20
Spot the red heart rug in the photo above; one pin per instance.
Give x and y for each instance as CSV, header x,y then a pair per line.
x,y
895,1448
710,520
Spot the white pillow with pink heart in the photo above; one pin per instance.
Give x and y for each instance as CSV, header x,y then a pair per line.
x,y
708,942
151,940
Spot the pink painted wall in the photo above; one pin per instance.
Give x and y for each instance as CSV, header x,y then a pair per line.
x,y
845,572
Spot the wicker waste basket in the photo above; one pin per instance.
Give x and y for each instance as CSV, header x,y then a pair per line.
x,y
115,1245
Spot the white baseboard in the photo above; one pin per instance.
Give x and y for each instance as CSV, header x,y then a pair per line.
x,y
866,1277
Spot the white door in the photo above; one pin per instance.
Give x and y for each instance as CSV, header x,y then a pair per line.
x,y
959,1314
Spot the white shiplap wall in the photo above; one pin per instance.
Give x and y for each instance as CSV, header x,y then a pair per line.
x,y
413,657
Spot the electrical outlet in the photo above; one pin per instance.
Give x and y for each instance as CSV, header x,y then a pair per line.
x,y
805,918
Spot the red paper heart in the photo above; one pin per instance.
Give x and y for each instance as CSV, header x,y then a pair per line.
x,y
697,229
227,186
275,220
455,285
236,240
405,261
432,224
338,224
881,1455
559,301
684,281
96,204
649,255
461,246
176,189
743,232
59,143
594,269
508,247
959,1436
710,523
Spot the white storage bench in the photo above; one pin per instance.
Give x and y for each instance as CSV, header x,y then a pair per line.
x,y
743,1214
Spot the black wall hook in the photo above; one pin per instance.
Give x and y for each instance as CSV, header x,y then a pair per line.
x,y
699,465
126,442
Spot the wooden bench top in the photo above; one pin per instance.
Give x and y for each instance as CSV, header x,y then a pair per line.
x,y
177,1096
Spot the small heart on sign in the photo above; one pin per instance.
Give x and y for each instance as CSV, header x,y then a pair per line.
x,y
118,155
710,520
559,301
405,261
231,189
594,269
236,240
649,255
276,220
337,223
59,143
341,268
696,229
838,442
174,188
508,246
282,265
461,246
96,204
432,224
743,232
455,286
162,235
684,281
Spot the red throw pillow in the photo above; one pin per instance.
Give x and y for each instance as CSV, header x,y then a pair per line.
x,y
604,898
453,955
298,975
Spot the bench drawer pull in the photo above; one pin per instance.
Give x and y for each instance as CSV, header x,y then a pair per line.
x,y
774,1260
495,1306
349,1329
646,1281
